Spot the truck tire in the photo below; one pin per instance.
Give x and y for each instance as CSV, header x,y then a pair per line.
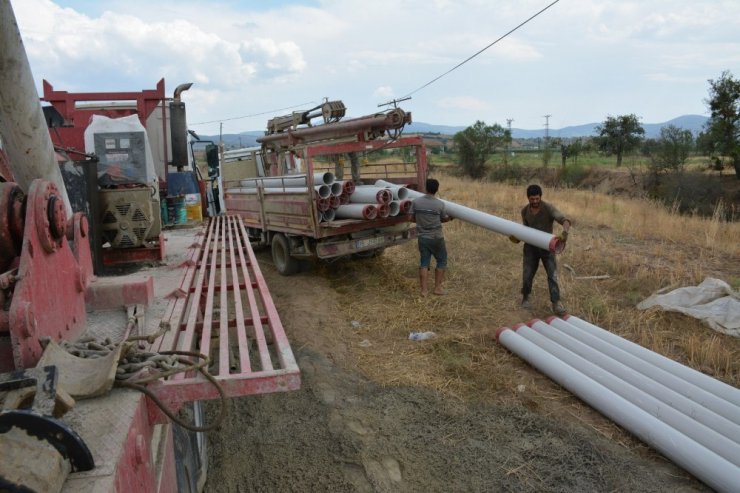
x,y
284,263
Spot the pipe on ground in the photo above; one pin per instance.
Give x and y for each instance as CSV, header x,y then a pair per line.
x,y
698,432
720,389
711,468
722,425
546,241
670,379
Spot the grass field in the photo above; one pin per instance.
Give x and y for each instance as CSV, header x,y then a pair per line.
x,y
619,252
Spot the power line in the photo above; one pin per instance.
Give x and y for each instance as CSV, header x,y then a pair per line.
x,y
255,114
480,51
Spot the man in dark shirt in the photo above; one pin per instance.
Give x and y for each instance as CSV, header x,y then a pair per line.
x,y
541,215
428,212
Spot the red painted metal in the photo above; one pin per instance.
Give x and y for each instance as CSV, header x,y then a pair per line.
x,y
246,343
76,118
48,298
135,470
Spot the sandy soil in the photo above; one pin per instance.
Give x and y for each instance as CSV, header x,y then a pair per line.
x,y
343,432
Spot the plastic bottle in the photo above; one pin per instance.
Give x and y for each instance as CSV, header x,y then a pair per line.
x,y
421,336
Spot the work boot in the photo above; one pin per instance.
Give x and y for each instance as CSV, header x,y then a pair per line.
x,y
558,309
526,305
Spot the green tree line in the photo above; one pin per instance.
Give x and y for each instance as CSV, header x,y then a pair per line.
x,y
623,135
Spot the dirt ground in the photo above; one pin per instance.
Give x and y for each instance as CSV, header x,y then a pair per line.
x,y
343,432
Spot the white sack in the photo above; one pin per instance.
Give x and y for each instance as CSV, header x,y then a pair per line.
x,y
713,301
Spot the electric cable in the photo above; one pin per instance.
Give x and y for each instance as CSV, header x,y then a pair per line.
x,y
479,51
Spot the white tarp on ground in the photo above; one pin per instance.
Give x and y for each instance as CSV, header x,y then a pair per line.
x,y
713,301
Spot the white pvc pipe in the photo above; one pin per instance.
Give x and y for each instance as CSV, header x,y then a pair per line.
x,y
399,192
368,194
336,188
698,432
546,241
720,389
323,205
670,379
721,424
323,191
319,178
357,211
348,186
242,190
405,206
328,215
344,198
384,210
395,208
708,466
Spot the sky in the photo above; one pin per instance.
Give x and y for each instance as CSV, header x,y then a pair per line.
x,y
578,61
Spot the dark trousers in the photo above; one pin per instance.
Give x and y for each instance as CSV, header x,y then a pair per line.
x,y
532,257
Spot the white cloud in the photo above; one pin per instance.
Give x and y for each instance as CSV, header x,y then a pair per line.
x,y
578,60
465,103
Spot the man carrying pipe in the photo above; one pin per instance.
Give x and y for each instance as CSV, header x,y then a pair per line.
x,y
541,215
429,212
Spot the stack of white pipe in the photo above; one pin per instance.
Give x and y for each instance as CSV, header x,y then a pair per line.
x,y
285,181
690,417
357,211
387,200
368,194
546,241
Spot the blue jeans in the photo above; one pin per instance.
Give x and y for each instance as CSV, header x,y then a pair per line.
x,y
432,247
532,258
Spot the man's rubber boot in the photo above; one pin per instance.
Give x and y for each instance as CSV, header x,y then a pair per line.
x,y
558,309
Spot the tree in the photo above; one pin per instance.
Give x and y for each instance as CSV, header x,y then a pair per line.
x,y
722,136
573,149
619,135
476,143
672,149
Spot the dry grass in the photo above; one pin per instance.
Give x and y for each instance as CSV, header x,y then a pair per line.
x,y
638,244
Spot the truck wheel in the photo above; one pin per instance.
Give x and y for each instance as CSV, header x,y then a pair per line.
x,y
284,263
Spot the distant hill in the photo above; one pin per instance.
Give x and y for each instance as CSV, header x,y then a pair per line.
x,y
694,123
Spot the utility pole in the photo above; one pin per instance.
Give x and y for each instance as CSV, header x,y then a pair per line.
x,y
508,141
546,155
